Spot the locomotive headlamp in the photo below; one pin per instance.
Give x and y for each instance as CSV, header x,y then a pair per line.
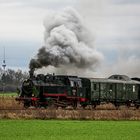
x,y
33,94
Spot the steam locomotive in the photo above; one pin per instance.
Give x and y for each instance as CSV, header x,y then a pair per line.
x,y
63,90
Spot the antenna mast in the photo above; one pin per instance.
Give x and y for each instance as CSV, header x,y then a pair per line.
x,y
4,62
4,67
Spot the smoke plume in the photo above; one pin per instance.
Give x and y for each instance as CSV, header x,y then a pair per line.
x,y
67,43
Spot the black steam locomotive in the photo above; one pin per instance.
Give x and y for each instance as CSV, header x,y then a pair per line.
x,y
62,90
48,90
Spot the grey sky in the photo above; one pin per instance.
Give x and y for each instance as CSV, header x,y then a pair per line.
x,y
115,25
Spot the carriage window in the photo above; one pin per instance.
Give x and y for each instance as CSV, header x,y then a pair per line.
x,y
115,77
111,87
72,83
134,89
75,84
124,87
120,78
95,86
79,84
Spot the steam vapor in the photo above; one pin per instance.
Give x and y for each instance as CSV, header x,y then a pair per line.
x,y
67,43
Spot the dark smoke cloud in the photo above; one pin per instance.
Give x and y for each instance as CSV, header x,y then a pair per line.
x,y
67,42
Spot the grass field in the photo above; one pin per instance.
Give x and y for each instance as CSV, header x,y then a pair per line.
x,y
8,94
69,130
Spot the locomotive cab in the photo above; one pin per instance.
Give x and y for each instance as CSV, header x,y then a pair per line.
x,y
139,93
85,96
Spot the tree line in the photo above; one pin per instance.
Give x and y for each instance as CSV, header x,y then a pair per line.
x,y
11,79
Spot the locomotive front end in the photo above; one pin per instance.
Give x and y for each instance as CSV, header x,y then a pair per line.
x,y
28,94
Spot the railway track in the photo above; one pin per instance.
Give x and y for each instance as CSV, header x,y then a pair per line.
x,y
42,109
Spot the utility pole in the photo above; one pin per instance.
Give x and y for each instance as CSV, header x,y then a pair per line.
x,y
4,67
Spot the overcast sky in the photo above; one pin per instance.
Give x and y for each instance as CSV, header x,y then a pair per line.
x,y
115,25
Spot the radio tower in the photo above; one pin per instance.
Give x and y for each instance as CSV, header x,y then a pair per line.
x,y
4,67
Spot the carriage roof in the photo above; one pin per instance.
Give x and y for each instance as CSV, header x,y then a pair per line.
x,y
115,79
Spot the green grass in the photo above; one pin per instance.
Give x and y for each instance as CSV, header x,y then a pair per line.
x,y
69,130
8,94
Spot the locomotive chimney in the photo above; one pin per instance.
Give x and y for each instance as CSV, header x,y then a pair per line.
x,y
31,73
